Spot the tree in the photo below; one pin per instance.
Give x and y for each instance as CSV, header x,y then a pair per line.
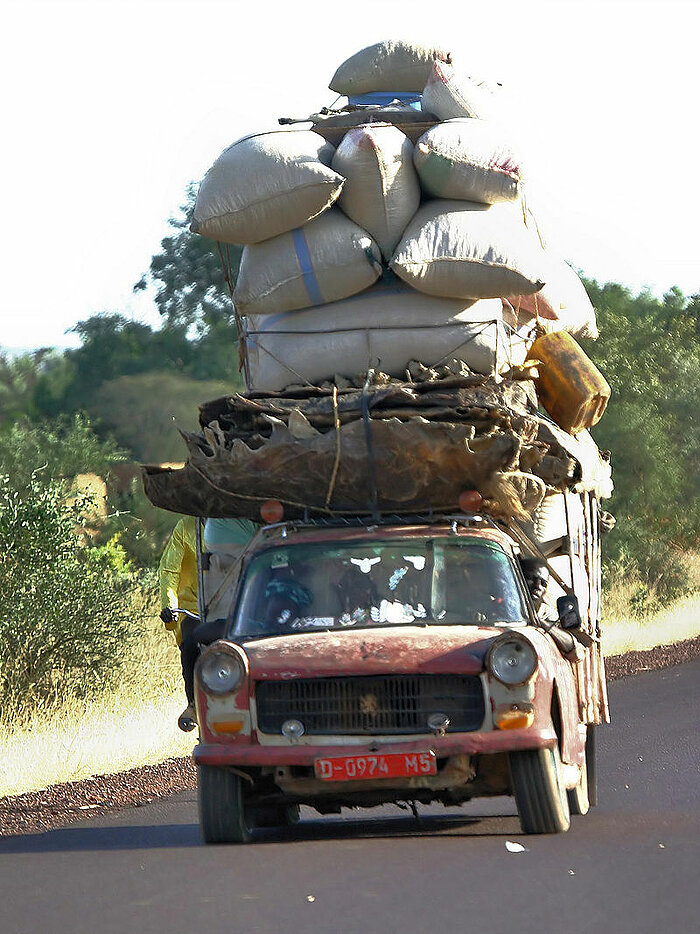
x,y
64,604
45,453
190,275
650,354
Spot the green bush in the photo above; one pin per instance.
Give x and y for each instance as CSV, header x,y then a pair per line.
x,y
65,621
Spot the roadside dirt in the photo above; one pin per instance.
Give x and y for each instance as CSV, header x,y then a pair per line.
x,y
54,807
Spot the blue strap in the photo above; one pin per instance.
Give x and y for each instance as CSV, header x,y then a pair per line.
x,y
310,281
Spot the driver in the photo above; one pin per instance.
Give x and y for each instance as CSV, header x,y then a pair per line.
x,y
286,598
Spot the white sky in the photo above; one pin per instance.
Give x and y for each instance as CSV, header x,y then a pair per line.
x,y
110,108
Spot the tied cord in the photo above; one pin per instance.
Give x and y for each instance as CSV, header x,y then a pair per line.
x,y
370,446
336,465
225,258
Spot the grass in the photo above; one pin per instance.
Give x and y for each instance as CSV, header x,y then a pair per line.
x,y
138,724
676,623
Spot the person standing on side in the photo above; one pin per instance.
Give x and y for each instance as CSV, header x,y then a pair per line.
x,y
225,540
177,573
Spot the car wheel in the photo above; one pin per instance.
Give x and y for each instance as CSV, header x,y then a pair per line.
x,y
539,791
224,816
578,795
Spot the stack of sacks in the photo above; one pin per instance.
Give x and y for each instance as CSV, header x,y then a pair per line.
x,y
320,226
389,325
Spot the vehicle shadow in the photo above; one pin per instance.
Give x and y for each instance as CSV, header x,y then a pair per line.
x,y
399,827
167,836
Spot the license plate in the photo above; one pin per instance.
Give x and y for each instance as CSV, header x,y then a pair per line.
x,y
391,765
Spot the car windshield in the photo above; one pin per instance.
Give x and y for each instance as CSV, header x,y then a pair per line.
x,y
301,588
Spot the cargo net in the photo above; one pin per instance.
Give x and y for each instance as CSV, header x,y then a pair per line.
x,y
371,445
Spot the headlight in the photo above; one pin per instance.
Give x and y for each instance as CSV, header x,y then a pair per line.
x,y
513,660
221,673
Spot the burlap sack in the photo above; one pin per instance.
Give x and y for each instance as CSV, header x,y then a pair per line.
x,y
381,191
470,160
461,249
448,93
384,327
393,65
562,305
264,185
324,261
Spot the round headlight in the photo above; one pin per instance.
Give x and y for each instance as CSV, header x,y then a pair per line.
x,y
513,660
221,673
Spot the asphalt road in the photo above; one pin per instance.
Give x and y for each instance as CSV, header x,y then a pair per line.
x,y
630,865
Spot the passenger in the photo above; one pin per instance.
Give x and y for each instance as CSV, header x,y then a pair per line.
x,y
536,574
177,573
224,541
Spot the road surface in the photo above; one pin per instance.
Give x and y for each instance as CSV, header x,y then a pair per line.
x,y
630,865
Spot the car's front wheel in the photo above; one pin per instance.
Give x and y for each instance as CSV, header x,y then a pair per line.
x,y
224,815
540,795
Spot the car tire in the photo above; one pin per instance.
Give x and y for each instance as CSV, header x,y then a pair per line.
x,y
578,795
224,816
539,791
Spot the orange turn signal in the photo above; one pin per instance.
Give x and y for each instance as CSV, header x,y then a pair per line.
x,y
227,726
513,716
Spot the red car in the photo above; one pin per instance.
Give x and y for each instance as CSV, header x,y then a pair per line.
x,y
366,664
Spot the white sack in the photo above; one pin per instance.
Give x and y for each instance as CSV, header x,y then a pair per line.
x,y
461,249
386,327
264,185
325,260
449,93
468,159
381,191
393,65
562,305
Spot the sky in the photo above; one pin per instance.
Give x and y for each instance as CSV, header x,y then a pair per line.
x,y
111,107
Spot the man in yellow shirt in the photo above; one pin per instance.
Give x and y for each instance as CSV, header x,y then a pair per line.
x,y
177,572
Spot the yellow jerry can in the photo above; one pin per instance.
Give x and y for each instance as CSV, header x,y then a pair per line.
x,y
570,387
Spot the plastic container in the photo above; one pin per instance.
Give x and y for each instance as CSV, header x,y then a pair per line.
x,y
570,387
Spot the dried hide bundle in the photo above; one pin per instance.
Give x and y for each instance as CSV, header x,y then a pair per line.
x,y
392,447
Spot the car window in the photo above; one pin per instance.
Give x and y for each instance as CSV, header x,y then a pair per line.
x,y
302,588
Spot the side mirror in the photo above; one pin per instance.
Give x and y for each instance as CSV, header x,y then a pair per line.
x,y
570,618
568,612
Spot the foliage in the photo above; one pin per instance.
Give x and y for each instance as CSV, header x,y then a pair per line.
x,y
43,452
64,620
650,354
144,412
189,275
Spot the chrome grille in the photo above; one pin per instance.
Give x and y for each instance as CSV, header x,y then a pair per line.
x,y
390,704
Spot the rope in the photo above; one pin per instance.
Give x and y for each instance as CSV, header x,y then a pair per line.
x,y
243,365
336,465
370,447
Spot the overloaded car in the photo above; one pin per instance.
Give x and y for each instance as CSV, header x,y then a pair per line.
x,y
399,662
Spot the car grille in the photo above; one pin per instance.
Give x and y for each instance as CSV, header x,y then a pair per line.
x,y
392,704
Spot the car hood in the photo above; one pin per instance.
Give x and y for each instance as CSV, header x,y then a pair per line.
x,y
401,649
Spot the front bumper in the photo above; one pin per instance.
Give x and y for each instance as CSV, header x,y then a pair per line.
x,y
473,744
